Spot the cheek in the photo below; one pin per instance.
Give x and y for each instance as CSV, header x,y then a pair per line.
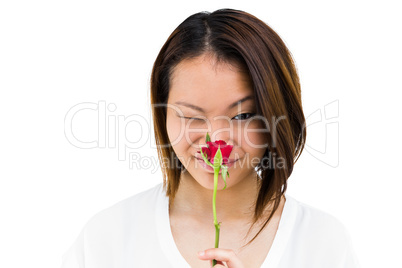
x,y
177,136
174,129
254,138
195,130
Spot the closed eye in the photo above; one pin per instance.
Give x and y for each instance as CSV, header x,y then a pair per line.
x,y
192,118
243,116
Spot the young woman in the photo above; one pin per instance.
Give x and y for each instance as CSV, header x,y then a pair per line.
x,y
229,74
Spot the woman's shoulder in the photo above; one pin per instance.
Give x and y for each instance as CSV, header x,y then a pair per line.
x,y
310,217
131,209
318,227
139,200
103,239
315,234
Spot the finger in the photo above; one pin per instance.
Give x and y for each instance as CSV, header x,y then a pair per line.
x,y
219,254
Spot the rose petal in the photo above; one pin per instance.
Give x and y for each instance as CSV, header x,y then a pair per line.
x,y
206,151
226,153
225,150
220,142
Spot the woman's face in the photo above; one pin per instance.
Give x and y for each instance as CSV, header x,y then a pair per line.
x,y
204,97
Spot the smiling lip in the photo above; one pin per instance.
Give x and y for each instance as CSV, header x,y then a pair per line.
x,y
209,168
199,157
228,162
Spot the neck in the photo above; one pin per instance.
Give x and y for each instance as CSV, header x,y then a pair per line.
x,y
234,203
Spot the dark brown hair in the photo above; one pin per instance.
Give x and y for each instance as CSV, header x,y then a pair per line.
x,y
241,39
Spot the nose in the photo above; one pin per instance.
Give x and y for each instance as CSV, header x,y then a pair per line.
x,y
221,129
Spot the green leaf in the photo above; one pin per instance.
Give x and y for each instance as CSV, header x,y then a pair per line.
x,y
207,138
227,172
205,157
224,175
218,158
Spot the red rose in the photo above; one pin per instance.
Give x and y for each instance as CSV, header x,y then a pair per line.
x,y
208,155
212,148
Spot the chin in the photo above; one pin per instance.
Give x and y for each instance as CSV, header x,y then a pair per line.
x,y
204,177
210,185
206,180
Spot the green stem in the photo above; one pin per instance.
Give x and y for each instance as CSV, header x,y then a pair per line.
x,y
217,225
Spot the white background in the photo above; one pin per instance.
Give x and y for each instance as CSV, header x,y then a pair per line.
x,y
57,54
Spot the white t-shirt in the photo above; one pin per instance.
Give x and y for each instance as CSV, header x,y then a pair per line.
x,y
136,232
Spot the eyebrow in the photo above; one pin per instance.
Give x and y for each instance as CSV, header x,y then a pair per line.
x,y
194,107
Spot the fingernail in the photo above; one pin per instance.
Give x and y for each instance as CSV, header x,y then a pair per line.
x,y
201,253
